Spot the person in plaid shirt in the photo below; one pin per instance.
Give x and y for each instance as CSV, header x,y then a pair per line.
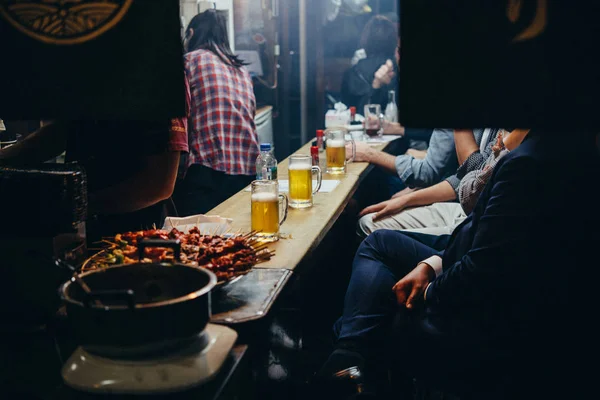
x,y
222,135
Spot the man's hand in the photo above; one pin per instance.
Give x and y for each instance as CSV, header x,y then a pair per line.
x,y
386,208
364,152
384,75
392,128
419,154
409,290
404,192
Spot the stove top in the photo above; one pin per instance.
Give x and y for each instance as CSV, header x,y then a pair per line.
x,y
33,364
186,367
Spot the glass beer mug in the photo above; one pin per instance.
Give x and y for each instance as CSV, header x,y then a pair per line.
x,y
336,150
300,180
266,218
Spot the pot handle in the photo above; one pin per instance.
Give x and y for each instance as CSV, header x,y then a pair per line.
x,y
172,244
106,296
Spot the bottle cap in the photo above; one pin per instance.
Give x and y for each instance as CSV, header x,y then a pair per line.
x,y
353,110
265,146
320,132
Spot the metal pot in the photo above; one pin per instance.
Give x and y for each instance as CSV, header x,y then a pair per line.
x,y
137,305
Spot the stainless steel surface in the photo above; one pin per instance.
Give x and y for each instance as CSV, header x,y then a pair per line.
x,y
249,298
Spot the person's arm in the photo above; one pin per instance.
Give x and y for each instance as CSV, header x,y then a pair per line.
x,y
465,143
470,187
439,161
47,142
383,81
434,194
476,160
504,230
418,154
151,185
393,128
472,184
404,192
366,153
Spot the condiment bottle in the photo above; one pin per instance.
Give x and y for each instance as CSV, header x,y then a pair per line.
x,y
320,141
314,152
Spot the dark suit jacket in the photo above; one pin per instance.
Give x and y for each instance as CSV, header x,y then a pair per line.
x,y
507,269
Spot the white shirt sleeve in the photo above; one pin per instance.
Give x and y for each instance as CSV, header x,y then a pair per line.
x,y
434,262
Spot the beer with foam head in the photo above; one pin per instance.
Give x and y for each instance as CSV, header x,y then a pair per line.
x,y
336,156
265,209
265,213
300,171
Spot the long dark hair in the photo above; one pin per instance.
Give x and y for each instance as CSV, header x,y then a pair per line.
x,y
210,33
379,37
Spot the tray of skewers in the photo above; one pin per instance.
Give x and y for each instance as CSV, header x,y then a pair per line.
x,y
228,255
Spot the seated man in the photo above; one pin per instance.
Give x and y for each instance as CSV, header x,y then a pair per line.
x,y
495,304
441,216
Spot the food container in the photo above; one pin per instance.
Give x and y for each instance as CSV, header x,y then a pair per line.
x,y
139,304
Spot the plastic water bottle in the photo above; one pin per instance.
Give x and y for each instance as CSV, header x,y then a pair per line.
x,y
391,110
266,164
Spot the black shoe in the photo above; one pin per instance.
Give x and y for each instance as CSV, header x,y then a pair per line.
x,y
345,384
340,377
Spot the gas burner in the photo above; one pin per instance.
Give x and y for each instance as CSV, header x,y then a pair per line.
x,y
191,363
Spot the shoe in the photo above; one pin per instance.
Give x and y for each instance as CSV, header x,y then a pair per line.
x,y
341,385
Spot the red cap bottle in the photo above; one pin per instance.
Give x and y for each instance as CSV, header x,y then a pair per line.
x,y
314,152
320,134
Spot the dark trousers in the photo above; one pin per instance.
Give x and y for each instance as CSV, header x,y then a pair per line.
x,y
418,342
382,259
203,189
436,242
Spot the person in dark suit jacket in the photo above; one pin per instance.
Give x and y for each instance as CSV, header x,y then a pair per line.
x,y
493,307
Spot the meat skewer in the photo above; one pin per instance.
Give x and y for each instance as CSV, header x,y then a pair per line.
x,y
227,256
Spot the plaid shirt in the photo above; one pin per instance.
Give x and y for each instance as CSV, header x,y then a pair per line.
x,y
222,135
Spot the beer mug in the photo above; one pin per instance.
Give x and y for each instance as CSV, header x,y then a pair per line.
x,y
265,209
336,150
300,180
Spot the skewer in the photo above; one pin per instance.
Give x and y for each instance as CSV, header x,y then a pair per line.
x,y
250,234
262,246
268,253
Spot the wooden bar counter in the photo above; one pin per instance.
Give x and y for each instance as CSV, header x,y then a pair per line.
x,y
304,228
